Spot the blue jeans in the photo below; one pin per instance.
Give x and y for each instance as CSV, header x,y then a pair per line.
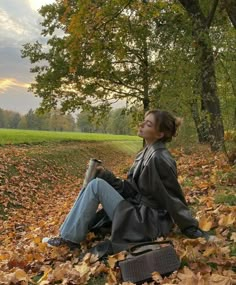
x,y
98,191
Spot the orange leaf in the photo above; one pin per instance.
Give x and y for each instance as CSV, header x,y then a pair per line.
x,y
233,237
219,280
209,251
156,276
205,223
112,260
227,220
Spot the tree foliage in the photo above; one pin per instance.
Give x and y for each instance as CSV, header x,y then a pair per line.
x,y
147,53
116,121
52,121
108,52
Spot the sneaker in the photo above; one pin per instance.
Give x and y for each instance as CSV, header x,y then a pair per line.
x,y
194,232
59,241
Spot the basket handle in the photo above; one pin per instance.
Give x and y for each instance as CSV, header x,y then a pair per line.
x,y
133,248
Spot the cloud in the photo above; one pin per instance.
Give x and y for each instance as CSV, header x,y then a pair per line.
x,y
19,23
6,83
9,25
18,100
13,66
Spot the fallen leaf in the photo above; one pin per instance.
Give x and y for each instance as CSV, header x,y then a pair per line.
x,y
227,220
21,275
156,276
209,251
111,278
206,222
233,236
113,259
83,268
217,279
45,275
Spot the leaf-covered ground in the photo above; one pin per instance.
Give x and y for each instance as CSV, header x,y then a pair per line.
x,y
40,183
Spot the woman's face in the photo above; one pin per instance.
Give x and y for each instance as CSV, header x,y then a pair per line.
x,y
148,129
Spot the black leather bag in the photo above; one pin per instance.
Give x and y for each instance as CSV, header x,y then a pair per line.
x,y
148,257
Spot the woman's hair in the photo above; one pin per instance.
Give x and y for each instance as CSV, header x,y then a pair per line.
x,y
166,123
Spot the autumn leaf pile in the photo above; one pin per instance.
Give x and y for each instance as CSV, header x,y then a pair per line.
x,y
37,193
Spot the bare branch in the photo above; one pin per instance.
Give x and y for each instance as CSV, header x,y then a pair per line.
x,y
114,16
122,94
120,82
125,61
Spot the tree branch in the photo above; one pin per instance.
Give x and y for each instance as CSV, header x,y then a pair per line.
x,y
125,61
228,76
125,94
114,15
212,13
120,82
230,7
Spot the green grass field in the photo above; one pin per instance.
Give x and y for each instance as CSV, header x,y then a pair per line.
x,y
10,136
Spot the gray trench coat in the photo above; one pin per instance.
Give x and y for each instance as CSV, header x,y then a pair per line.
x,y
153,202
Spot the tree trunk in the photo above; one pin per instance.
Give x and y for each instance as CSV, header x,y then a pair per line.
x,y
205,61
146,99
199,113
230,6
208,91
145,67
200,122
233,88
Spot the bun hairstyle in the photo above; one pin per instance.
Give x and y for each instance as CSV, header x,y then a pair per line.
x,y
166,123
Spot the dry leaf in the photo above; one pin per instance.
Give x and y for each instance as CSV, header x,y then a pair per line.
x,y
21,275
233,237
22,254
227,220
111,278
156,276
83,268
112,259
217,279
205,223
209,251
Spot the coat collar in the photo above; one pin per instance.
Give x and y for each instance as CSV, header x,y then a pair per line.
x,y
152,148
145,155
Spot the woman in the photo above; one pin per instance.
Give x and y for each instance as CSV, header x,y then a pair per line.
x,y
141,208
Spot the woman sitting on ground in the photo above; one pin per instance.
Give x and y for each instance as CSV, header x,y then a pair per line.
x,y
144,206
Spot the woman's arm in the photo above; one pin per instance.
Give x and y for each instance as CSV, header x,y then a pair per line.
x,y
167,191
110,178
123,187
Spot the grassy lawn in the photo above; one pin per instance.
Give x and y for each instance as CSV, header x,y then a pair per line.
x,y
10,136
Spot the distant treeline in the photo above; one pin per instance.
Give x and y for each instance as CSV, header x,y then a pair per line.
x,y
114,122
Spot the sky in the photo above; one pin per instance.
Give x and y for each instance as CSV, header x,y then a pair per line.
x,y
19,24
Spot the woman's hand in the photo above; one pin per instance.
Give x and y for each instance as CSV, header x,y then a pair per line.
x,y
100,171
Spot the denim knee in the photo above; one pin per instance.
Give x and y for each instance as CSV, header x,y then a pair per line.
x,y
96,181
96,185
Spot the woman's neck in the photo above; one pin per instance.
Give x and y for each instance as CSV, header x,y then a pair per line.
x,y
149,143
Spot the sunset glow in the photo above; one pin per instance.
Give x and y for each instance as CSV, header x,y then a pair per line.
x,y
6,83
